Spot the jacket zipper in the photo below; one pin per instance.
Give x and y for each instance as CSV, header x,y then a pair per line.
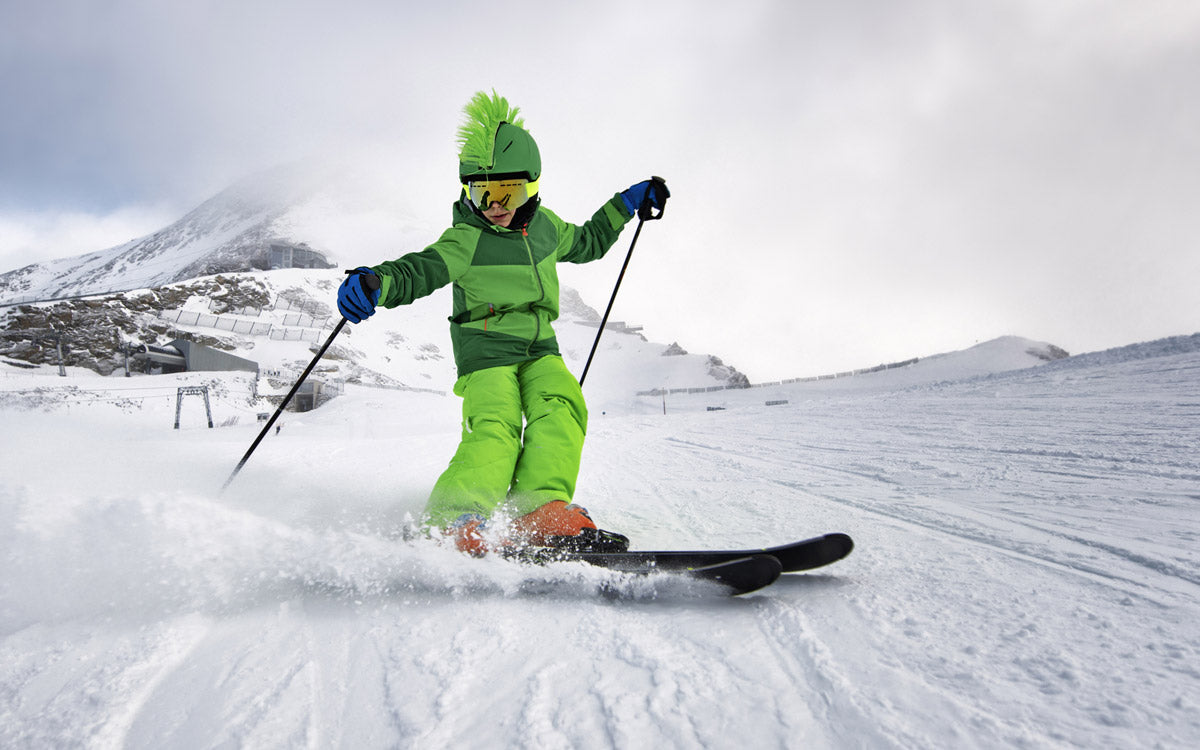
x,y
537,320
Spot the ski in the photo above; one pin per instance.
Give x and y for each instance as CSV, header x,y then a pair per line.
x,y
806,554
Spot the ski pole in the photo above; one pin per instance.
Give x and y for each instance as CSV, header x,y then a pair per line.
x,y
372,284
645,213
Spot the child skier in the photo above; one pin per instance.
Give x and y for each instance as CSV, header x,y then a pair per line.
x,y
500,255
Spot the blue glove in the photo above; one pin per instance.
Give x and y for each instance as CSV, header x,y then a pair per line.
x,y
358,295
645,197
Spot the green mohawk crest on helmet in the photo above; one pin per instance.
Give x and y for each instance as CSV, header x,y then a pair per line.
x,y
492,140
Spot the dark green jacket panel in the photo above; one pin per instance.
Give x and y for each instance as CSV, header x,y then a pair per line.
x,y
581,244
478,349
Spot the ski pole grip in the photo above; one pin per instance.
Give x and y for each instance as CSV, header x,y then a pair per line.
x,y
369,280
646,211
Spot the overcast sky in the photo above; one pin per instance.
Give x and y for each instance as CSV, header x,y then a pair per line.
x,y
853,182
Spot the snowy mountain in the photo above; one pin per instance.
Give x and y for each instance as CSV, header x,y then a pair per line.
x,y
233,231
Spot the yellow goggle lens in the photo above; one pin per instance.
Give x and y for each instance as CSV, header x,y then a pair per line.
x,y
510,193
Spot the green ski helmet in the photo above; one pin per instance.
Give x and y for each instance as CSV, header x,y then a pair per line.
x,y
493,142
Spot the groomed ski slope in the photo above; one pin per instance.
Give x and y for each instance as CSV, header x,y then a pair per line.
x,y
1027,574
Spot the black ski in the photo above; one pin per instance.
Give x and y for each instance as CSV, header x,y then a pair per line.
x,y
795,557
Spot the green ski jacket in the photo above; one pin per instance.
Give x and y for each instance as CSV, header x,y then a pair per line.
x,y
505,280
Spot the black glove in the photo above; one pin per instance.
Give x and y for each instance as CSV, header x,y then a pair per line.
x,y
645,197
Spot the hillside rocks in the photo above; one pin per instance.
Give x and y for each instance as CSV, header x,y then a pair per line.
x,y
722,372
94,332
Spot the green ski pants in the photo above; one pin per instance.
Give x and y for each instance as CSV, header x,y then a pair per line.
x,y
498,463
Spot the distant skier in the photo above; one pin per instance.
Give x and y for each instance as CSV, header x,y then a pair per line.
x,y
500,255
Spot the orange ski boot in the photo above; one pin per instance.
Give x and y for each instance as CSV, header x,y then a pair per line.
x,y
564,526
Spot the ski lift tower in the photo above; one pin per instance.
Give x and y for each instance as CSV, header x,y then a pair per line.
x,y
56,339
192,390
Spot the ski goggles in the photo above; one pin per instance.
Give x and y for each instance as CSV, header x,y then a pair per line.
x,y
510,192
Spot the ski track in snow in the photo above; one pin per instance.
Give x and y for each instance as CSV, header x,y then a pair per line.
x,y
1026,575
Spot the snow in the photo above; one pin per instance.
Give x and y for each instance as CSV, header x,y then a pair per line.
x,y
1026,573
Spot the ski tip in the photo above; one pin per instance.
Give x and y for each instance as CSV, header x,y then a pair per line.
x,y
810,554
842,542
